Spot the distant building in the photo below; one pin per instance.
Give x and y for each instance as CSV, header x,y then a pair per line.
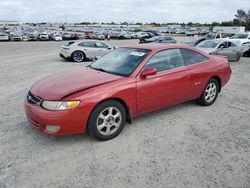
x,y
228,29
10,23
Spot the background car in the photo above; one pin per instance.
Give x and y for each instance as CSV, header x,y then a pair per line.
x,y
69,36
4,37
86,49
246,52
56,37
43,36
16,37
222,47
32,37
125,83
193,41
240,38
158,39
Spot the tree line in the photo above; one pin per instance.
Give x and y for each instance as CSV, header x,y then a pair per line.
x,y
242,18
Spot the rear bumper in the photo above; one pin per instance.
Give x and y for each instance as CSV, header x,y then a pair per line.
x,y
70,121
65,54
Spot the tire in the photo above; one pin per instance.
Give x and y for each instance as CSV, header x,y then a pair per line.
x,y
210,93
107,120
78,56
238,58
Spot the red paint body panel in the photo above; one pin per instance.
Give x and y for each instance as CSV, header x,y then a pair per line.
x,y
57,86
141,95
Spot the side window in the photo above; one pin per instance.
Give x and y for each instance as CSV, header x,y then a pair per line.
x,y
101,45
230,44
191,57
166,60
87,44
81,44
222,45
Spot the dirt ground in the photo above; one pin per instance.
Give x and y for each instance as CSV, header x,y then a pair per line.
x,y
184,146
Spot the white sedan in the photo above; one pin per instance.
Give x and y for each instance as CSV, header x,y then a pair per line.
x,y
79,51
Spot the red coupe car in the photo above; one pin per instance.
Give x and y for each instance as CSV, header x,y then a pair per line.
x,y
125,83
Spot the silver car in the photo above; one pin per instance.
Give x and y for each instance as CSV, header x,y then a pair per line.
x,y
222,47
4,37
86,49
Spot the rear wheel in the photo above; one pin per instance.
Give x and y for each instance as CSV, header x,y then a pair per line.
x,y
107,120
238,58
78,56
210,93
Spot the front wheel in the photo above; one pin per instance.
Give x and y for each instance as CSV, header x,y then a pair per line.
x,y
210,93
107,120
78,56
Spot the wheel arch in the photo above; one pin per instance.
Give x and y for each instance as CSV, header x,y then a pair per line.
x,y
121,101
85,55
218,79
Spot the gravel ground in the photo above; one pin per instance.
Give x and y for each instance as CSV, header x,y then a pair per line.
x,y
183,146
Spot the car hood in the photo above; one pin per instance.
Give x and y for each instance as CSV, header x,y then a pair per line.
x,y
208,50
58,86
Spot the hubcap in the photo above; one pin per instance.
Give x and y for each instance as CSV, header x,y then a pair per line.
x,y
78,56
210,92
109,120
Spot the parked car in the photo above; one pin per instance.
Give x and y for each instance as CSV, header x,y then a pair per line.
x,y
81,36
4,37
69,36
246,52
222,47
85,49
158,39
32,37
193,41
211,36
57,37
16,37
122,85
43,36
25,37
192,32
241,38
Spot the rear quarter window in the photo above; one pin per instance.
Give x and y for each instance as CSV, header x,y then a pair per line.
x,y
191,57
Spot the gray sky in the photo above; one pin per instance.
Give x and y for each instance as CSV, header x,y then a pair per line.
x,y
121,10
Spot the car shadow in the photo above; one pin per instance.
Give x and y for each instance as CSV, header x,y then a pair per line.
x,y
166,110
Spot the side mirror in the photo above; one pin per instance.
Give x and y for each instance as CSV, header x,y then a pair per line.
x,y
148,71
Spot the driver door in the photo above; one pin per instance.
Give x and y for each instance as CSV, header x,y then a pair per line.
x,y
171,85
230,50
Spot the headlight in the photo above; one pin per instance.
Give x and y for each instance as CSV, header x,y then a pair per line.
x,y
59,105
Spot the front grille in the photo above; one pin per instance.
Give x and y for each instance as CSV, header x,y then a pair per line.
x,y
32,99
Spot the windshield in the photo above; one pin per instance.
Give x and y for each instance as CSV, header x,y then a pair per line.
x,y
208,44
210,36
239,36
121,61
